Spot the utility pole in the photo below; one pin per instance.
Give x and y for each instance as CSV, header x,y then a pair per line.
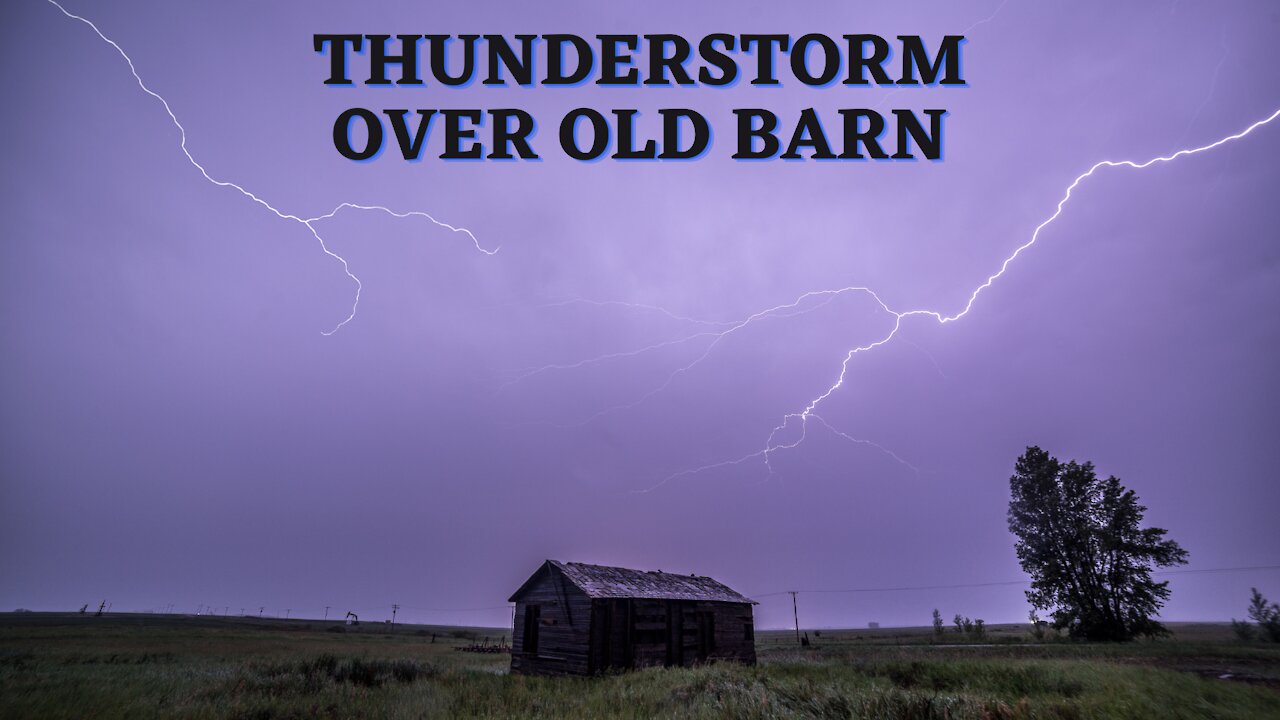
x,y
796,613
326,612
286,613
263,607
394,608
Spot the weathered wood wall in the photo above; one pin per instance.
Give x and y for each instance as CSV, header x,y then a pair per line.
x,y
581,636
735,635
564,630
648,633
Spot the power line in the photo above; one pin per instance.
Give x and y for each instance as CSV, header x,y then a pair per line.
x,y
892,589
1197,571
470,609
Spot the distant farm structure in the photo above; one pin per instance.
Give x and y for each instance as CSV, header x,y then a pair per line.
x,y
577,619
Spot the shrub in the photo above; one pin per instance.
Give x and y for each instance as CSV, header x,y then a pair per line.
x,y
1037,625
1243,630
1266,615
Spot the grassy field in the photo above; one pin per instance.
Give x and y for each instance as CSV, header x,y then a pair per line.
x,y
151,666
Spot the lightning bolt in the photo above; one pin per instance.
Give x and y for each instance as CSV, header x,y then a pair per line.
x,y
733,325
808,413
637,306
804,303
987,19
308,223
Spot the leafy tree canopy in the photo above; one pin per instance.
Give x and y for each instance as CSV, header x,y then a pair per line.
x,y
1082,542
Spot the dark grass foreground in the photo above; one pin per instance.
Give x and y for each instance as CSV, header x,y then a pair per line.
x,y
152,667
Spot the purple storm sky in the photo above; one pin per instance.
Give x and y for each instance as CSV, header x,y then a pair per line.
x,y
175,428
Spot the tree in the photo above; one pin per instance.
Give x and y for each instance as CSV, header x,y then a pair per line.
x,y
937,623
1082,542
1267,615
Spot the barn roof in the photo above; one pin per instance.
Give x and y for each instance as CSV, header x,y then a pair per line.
x,y
600,581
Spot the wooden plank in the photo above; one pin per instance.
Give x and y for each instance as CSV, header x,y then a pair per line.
x,y
564,629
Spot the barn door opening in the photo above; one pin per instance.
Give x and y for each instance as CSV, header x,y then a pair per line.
x,y
532,621
706,634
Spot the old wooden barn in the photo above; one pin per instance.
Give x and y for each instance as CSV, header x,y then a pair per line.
x,y
576,619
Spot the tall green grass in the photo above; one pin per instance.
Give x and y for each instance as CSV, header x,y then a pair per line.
x,y
234,672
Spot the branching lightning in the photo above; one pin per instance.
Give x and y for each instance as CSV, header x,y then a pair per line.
x,y
638,306
897,317
732,326
772,445
308,223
